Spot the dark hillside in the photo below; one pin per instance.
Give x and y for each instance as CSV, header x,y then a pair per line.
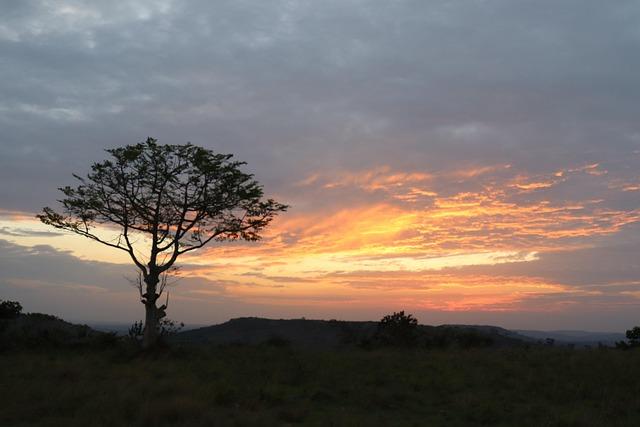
x,y
254,330
37,329
335,333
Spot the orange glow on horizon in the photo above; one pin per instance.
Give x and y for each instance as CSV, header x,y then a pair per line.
x,y
401,246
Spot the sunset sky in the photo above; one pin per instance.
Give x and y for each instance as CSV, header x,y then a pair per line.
x,y
465,161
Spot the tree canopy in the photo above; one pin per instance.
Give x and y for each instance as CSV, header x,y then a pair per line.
x,y
397,329
179,197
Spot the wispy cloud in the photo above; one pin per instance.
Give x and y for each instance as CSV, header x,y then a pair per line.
x,y
25,232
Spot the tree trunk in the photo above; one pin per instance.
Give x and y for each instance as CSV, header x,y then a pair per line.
x,y
151,332
150,337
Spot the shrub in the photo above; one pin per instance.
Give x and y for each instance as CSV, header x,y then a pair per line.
x,y
633,339
42,317
169,327
10,309
136,331
633,335
166,328
397,329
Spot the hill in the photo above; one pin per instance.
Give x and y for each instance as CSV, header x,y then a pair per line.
x,y
336,333
37,329
578,338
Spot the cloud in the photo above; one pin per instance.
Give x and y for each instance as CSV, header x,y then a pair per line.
x,y
499,209
337,85
23,232
46,280
606,267
281,279
395,129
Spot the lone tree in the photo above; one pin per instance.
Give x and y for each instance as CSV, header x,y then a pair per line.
x,y
177,197
397,329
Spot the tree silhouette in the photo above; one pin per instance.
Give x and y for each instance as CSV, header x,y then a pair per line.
x,y
397,329
633,335
10,309
178,198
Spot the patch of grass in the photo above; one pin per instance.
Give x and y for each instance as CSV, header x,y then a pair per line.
x,y
279,385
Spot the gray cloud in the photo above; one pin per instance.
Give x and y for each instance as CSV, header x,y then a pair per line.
x,y
24,232
294,86
46,280
608,266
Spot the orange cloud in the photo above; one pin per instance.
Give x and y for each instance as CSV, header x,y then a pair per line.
x,y
478,171
393,249
410,290
488,220
381,178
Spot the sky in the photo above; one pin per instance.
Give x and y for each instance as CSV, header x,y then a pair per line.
x,y
464,161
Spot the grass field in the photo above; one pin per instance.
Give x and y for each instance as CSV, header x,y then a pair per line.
x,y
266,385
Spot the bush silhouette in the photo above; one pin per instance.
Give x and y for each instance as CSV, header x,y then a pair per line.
x,y
633,335
397,329
633,339
166,329
10,309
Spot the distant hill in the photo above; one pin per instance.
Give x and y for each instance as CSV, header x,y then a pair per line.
x,y
579,338
501,335
37,329
254,330
335,333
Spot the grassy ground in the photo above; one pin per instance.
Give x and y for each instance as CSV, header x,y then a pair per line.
x,y
264,386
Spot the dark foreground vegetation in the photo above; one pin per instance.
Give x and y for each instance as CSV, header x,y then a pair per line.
x,y
280,385
54,373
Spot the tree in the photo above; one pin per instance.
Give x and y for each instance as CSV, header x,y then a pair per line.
x,y
633,335
397,329
178,198
633,339
10,309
